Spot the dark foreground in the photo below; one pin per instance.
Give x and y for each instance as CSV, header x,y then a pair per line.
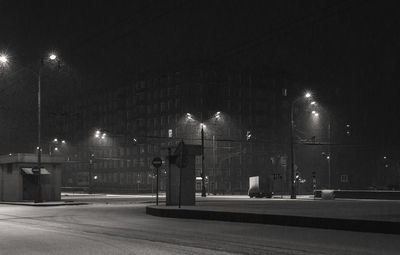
x,y
120,226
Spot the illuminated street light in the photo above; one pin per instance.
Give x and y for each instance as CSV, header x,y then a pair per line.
x,y
307,95
55,144
39,198
313,103
189,116
3,59
52,57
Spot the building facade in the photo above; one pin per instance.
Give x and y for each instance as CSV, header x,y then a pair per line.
x,y
244,118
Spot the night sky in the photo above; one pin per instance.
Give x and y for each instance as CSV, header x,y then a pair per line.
x,y
346,51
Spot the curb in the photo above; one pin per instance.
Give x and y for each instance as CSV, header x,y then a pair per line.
x,y
384,227
43,204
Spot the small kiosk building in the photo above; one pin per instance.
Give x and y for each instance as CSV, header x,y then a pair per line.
x,y
19,183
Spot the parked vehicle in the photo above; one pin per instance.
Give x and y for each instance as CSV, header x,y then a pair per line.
x,y
259,187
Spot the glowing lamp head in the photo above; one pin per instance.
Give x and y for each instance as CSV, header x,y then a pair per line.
x,y
3,59
307,95
55,140
63,142
52,57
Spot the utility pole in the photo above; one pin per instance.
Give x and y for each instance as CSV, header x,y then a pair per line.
x,y
292,183
214,160
329,156
203,181
39,198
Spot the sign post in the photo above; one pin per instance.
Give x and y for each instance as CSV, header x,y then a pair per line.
x,y
181,162
157,162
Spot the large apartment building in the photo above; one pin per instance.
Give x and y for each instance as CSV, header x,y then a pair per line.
x,y
244,117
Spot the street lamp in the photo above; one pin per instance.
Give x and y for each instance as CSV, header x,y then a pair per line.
x,y
292,176
52,57
56,145
3,59
99,134
203,126
203,181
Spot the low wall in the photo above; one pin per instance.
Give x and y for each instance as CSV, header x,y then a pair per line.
x,y
361,194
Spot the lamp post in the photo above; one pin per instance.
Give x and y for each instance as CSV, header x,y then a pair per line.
x,y
189,116
51,57
39,198
292,176
203,179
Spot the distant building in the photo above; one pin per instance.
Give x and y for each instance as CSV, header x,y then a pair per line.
x,y
245,119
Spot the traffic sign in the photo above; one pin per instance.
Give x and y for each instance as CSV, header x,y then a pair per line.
x,y
35,170
157,162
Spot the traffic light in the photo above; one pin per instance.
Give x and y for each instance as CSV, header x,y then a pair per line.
x,y
348,130
248,135
91,157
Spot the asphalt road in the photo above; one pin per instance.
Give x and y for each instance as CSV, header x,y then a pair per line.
x,y
117,226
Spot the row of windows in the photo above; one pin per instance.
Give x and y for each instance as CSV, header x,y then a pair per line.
x,y
163,106
82,178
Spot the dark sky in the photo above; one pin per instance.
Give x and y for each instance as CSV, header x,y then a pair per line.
x,y
347,51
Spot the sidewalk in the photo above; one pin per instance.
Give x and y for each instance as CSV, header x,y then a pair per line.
x,y
53,203
380,216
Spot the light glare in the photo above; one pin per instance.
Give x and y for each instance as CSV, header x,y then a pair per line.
x,y
3,59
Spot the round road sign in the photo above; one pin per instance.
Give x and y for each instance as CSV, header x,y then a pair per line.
x,y
157,162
